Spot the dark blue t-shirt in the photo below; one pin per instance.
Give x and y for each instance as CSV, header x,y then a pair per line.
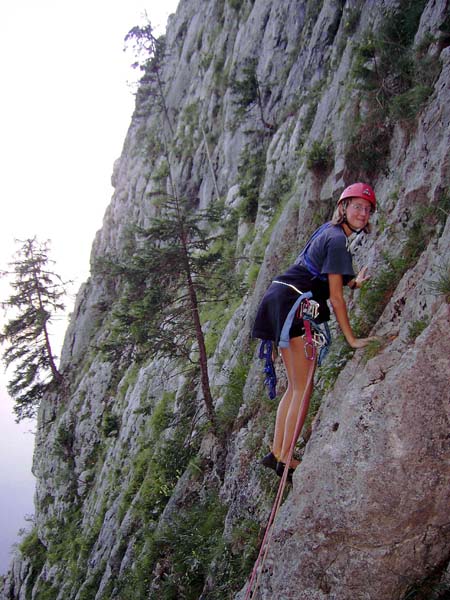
x,y
329,252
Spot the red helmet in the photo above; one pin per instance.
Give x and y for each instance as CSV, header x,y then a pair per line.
x,y
359,190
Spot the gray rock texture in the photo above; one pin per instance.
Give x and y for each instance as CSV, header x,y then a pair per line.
x,y
136,497
368,512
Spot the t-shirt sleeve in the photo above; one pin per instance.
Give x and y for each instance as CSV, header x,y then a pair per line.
x,y
338,259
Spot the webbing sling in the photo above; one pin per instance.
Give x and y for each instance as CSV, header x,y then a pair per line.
x,y
265,352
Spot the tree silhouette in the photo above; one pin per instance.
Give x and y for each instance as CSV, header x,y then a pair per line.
x,y
37,296
149,53
248,92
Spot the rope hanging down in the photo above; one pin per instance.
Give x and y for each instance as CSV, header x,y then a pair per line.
x,y
259,564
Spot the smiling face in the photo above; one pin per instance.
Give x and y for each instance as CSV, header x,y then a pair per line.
x,y
358,212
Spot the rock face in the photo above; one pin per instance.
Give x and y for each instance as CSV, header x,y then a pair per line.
x,y
367,513
270,107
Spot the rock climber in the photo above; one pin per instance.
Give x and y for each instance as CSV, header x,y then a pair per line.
x,y
324,267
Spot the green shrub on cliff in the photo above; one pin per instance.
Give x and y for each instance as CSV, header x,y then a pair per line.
x,y
188,556
396,79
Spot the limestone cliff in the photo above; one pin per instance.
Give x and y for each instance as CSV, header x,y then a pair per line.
x,y
269,108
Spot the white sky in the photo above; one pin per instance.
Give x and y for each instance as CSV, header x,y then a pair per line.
x,y
65,107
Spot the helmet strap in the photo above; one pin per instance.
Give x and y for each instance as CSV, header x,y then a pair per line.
x,y
357,231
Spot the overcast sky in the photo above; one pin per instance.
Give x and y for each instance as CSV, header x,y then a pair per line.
x,y
64,111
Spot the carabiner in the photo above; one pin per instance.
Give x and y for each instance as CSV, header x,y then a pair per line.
x,y
310,351
319,339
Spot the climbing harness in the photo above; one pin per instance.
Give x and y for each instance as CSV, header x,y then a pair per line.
x,y
317,336
259,564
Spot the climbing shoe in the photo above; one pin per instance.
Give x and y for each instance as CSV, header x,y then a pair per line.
x,y
280,470
270,461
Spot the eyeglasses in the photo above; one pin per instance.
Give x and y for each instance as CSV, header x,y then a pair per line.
x,y
361,208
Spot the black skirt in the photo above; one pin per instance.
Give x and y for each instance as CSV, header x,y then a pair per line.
x,y
279,299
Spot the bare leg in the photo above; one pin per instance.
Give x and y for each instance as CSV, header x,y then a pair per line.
x,y
297,367
282,411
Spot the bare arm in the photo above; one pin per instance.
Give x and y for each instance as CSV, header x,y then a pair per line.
x,y
361,278
340,310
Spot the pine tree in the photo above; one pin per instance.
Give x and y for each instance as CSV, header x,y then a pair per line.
x,y
149,53
178,263
37,296
248,92
177,266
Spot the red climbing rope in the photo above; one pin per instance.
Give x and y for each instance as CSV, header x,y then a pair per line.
x,y
259,563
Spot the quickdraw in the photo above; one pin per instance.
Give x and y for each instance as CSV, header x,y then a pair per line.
x,y
317,336
309,309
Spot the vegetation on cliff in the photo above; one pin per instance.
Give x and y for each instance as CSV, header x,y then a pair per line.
x,y
149,481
